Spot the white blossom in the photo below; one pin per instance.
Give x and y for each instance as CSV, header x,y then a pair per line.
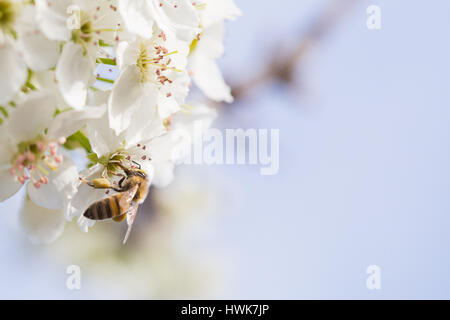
x,y
31,140
208,47
153,77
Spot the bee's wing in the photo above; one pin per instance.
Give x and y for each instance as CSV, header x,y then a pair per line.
x,y
127,197
131,214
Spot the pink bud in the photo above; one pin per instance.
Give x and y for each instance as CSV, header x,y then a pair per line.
x,y
37,185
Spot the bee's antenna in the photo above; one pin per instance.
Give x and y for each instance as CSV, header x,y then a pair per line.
x,y
139,166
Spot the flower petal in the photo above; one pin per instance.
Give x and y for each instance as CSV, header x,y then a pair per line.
x,y
69,122
171,146
146,122
171,97
216,11
13,72
181,20
163,174
102,137
51,16
62,186
208,78
211,41
137,17
31,117
125,99
42,225
85,223
195,122
73,73
8,185
39,52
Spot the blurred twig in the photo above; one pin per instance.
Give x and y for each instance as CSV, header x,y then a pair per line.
x,y
283,69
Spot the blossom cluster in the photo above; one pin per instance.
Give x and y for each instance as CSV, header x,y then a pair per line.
x,y
107,80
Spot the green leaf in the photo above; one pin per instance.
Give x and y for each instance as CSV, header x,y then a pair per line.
x,y
78,139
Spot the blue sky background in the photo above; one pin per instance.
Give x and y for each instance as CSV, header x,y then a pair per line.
x,y
364,163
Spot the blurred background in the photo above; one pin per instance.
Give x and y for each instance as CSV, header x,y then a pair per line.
x,y
364,173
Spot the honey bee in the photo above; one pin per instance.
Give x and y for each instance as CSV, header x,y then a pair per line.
x,y
132,189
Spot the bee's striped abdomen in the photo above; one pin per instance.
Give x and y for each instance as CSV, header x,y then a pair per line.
x,y
104,209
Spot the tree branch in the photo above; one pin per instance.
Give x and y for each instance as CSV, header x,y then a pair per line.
x,y
284,69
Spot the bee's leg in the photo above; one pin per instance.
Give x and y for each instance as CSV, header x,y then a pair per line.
x,y
121,181
100,184
87,182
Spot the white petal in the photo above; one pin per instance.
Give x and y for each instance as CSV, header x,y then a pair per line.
x,y
196,121
8,185
128,53
137,17
163,174
211,41
42,225
39,52
69,122
85,223
51,16
208,77
167,105
172,96
31,117
181,21
169,147
62,186
216,11
13,72
73,73
102,137
98,97
125,99
146,122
